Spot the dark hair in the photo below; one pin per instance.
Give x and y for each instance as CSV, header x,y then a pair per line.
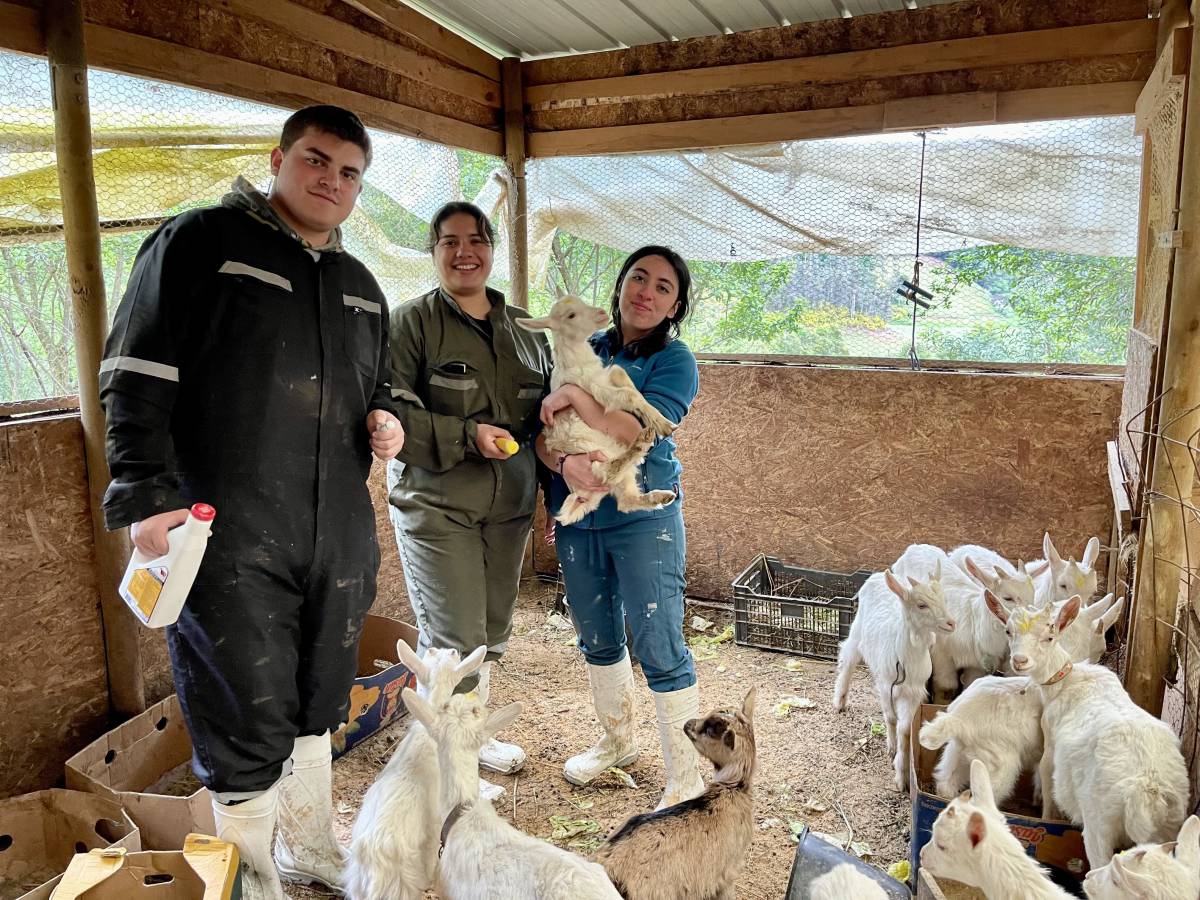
x,y
341,123
668,329
453,208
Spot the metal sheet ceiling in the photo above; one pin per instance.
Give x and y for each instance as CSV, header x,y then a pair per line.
x,y
537,28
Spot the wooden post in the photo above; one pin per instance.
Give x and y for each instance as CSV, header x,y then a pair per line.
x,y
514,156
1164,538
63,23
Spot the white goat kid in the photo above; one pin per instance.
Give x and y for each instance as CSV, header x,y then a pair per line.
x,y
1084,641
1107,763
483,856
977,645
971,844
1152,871
998,720
393,846
572,322
845,882
892,634
1056,581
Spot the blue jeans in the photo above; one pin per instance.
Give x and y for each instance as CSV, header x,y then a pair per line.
x,y
634,570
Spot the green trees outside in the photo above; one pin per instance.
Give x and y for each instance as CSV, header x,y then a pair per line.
x,y
992,303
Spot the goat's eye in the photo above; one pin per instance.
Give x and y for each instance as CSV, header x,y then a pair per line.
x,y
570,315
922,606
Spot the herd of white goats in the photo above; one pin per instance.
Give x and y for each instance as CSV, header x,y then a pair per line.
x,y
953,617
1099,758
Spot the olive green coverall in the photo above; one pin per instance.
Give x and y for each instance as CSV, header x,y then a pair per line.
x,y
462,521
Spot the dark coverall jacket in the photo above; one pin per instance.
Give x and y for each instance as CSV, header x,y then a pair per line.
x,y
239,372
462,521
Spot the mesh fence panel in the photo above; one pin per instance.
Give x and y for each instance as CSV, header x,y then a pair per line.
x,y
1028,240
160,149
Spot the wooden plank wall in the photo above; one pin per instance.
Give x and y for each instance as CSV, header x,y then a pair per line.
x,y
961,63
841,468
290,54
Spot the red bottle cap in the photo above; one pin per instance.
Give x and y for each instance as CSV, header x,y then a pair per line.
x,y
203,512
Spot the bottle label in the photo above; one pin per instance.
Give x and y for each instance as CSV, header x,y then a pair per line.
x,y
145,587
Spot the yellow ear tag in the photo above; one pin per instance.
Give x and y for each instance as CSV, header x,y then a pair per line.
x,y
472,696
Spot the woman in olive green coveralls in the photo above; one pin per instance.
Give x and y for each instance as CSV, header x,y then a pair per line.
x,y
464,377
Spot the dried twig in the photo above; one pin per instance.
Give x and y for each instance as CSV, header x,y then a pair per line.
x,y
849,827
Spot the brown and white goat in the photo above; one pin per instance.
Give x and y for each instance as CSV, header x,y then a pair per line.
x,y
694,850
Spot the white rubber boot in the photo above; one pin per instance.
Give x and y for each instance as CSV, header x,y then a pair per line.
x,y
680,759
306,850
612,696
249,825
495,755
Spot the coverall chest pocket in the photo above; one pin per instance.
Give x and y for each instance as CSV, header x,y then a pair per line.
x,y
455,389
362,320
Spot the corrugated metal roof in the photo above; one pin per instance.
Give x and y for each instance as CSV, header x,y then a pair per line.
x,y
535,28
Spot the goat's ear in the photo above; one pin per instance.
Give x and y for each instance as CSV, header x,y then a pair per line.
x,y
1067,613
981,784
1187,849
994,604
418,706
1035,571
748,703
503,717
1049,551
976,828
409,657
534,324
1091,553
977,573
601,317
1110,616
473,661
894,585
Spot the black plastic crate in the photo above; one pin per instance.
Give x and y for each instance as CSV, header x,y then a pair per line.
x,y
808,612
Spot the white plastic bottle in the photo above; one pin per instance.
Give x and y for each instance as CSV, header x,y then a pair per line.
x,y
155,588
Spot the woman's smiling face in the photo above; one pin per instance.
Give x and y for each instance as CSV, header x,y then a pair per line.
x,y
462,255
649,294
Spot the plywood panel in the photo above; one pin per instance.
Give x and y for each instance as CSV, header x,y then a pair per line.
x,y
55,695
391,597
842,468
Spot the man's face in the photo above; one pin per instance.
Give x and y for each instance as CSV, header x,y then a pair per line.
x,y
316,182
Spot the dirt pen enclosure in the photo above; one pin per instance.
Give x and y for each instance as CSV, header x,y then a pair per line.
x,y
828,463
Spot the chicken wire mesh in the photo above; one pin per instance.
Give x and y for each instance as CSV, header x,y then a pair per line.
x,y
1028,240
159,149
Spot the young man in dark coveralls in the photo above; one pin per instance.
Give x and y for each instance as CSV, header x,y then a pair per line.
x,y
248,368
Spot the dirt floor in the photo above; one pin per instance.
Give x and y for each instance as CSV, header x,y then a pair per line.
x,y
814,767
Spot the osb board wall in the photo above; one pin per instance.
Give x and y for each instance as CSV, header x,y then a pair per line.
x,y
55,694
839,468
919,26
391,597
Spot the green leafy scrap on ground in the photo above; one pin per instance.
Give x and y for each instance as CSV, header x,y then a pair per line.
x,y
704,646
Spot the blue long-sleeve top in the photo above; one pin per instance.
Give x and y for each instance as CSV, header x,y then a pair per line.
x,y
669,380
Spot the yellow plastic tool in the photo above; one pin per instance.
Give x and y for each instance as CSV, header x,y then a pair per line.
x,y
509,447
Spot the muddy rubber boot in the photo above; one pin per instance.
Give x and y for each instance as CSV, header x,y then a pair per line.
x,y
612,696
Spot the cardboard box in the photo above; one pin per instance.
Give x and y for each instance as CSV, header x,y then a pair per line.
x,y
41,832
375,695
131,765
930,888
1052,842
205,869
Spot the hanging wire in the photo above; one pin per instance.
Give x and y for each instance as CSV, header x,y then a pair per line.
x,y
916,276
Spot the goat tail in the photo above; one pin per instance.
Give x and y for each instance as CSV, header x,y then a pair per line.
x,y
1148,811
848,658
937,732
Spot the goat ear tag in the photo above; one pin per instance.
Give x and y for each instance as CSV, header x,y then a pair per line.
x,y
473,695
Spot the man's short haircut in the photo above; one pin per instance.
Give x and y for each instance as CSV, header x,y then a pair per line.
x,y
335,120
